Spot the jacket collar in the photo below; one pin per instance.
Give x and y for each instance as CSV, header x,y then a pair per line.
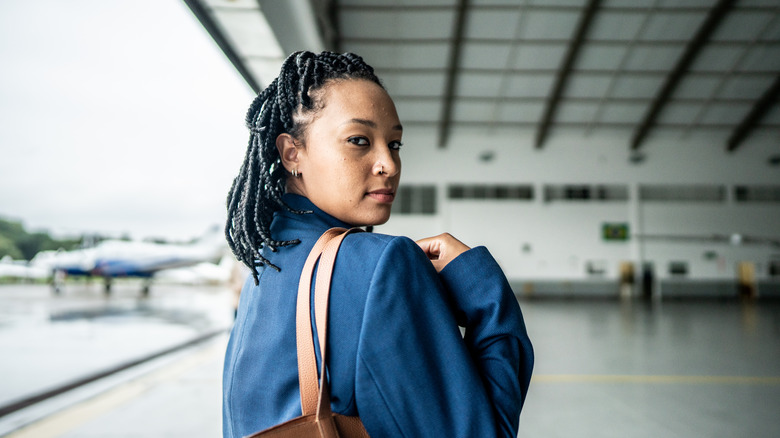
x,y
317,220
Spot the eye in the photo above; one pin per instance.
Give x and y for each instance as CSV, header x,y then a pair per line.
x,y
395,145
359,141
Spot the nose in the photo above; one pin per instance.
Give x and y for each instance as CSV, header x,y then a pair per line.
x,y
387,163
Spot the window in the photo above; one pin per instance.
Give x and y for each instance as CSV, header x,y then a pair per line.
x,y
757,193
415,200
583,192
482,191
692,193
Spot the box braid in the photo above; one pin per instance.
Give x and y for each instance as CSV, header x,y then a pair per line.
x,y
281,107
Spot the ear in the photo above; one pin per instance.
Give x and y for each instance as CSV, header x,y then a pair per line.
x,y
288,151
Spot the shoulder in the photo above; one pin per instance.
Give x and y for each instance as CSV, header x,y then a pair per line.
x,y
395,268
384,249
381,259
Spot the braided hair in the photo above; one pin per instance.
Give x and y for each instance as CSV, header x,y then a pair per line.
x,y
280,108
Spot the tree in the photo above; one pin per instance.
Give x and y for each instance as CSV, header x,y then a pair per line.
x,y
19,244
7,247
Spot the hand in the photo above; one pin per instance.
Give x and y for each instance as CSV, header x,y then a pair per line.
x,y
442,249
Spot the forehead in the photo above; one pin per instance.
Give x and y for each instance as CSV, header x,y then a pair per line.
x,y
357,98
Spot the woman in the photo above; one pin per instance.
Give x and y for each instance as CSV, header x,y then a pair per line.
x,y
324,152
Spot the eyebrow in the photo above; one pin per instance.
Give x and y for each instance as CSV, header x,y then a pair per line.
x,y
371,124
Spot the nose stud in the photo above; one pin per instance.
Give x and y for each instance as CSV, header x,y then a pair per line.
x,y
381,170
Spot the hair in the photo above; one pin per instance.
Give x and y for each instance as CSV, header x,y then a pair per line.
x,y
282,107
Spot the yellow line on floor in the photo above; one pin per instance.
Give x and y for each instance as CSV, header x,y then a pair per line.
x,y
640,379
74,416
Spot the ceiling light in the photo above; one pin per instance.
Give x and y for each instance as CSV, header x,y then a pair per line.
x,y
487,156
636,157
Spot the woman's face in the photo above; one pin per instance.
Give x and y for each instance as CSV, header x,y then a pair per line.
x,y
349,163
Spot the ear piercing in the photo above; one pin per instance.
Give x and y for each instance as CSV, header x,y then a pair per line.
x,y
294,172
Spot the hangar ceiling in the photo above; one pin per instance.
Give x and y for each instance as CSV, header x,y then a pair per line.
x,y
634,68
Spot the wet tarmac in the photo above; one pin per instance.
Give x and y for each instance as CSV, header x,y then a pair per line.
x,y
49,340
604,368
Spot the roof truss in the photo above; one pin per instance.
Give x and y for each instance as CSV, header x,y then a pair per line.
x,y
762,106
692,49
565,71
452,72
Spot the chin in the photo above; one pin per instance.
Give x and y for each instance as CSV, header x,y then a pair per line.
x,y
375,219
381,221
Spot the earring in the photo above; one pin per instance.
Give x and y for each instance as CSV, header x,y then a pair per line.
x,y
295,172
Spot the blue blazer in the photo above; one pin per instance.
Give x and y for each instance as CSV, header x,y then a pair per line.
x,y
396,355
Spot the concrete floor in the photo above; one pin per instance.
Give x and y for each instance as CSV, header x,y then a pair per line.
x,y
603,368
671,369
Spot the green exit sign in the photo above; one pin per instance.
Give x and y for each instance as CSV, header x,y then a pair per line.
x,y
614,231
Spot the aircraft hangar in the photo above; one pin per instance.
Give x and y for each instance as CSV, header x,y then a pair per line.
x,y
622,150
586,141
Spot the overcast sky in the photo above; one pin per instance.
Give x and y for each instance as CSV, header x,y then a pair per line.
x,y
118,117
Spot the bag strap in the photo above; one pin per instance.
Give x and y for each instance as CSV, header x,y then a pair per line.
x,y
321,299
314,399
307,361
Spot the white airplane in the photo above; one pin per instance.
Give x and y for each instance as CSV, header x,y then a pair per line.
x,y
203,273
20,269
117,258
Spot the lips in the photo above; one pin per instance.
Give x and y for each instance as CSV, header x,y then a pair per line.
x,y
382,195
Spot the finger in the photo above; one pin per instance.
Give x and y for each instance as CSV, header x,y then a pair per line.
x,y
431,246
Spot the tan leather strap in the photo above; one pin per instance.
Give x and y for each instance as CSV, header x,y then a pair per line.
x,y
307,361
321,296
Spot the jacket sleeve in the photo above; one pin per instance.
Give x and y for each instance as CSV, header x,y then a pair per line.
x,y
415,374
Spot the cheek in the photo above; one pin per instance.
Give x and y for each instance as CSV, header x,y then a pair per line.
x,y
355,171
347,176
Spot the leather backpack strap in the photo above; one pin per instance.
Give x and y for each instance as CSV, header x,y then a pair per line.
x,y
307,361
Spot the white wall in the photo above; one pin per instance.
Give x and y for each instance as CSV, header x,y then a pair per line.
x,y
561,237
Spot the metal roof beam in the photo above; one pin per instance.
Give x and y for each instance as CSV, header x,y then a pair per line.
x,y
583,100
711,22
326,14
597,73
681,127
759,110
534,41
452,72
563,74
203,15
640,8
295,24
336,38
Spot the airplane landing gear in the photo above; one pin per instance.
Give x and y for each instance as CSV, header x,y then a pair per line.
x,y
57,282
145,289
